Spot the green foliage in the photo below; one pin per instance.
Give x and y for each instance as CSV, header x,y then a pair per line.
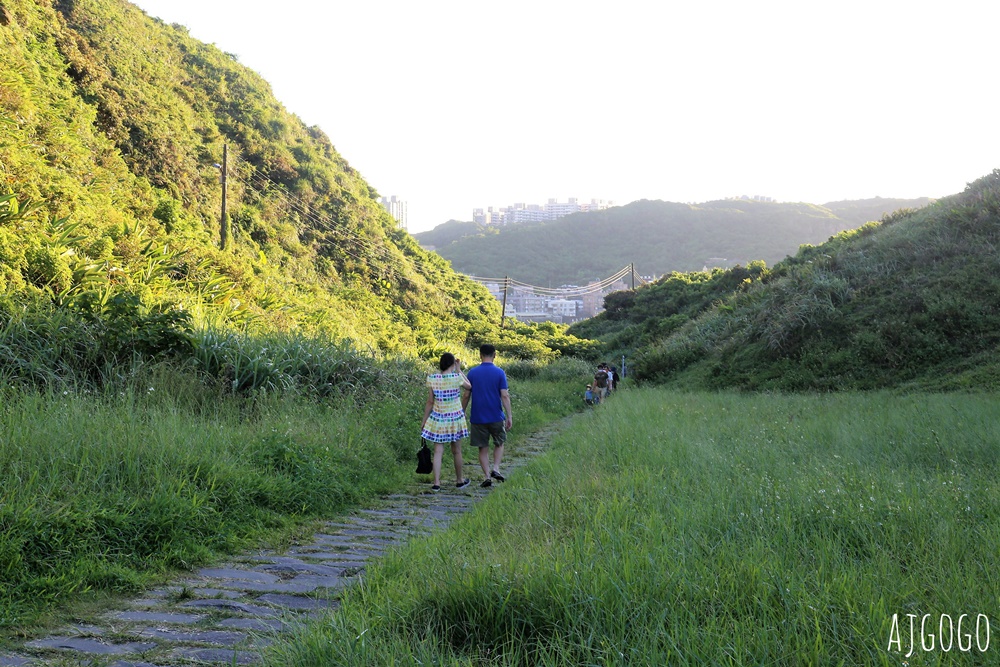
x,y
794,527
454,230
43,346
102,490
905,302
118,136
659,237
164,402
633,320
46,268
282,363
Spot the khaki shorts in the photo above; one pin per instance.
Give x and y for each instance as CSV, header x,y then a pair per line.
x,y
481,434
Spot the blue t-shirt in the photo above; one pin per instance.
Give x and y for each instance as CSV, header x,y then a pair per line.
x,y
487,380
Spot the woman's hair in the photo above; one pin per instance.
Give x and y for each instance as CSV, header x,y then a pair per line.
x,y
447,361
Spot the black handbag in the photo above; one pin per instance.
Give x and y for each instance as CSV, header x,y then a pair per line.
x,y
424,464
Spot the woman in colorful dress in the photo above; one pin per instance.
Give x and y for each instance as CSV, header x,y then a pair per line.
x,y
444,419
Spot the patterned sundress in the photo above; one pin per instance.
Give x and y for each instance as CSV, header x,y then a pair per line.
x,y
446,422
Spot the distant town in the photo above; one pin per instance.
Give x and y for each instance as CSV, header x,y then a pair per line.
x,y
567,303
553,210
526,305
521,212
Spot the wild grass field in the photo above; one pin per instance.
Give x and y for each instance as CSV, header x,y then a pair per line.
x,y
103,491
669,528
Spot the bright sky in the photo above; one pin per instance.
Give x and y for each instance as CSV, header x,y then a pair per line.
x,y
458,104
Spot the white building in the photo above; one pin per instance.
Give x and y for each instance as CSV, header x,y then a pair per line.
x,y
522,212
562,307
397,209
557,210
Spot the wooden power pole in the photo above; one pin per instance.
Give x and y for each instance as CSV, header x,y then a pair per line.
x,y
503,308
224,228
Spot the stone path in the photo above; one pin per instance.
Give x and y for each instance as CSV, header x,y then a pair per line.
x,y
226,613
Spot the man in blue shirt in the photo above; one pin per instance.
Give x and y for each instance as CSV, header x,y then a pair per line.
x,y
490,416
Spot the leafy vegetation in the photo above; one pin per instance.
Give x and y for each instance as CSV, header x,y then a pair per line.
x,y
658,237
164,400
449,232
102,492
723,529
910,301
633,319
115,124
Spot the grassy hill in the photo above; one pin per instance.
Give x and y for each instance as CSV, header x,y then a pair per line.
x,y
166,398
913,300
658,236
114,123
449,232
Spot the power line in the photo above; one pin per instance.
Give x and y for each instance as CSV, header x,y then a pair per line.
x,y
320,223
592,288
265,187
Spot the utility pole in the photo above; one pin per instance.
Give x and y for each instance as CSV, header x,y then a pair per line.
x,y
224,229
503,308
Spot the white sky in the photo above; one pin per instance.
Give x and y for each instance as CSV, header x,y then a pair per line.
x,y
458,104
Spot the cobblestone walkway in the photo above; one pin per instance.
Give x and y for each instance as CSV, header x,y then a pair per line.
x,y
226,613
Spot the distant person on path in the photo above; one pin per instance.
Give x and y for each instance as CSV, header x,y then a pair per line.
x,y
588,396
444,417
490,415
601,382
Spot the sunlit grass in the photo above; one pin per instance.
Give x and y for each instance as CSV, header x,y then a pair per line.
x,y
106,491
670,528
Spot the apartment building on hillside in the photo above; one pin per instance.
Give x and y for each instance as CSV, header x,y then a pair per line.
x,y
397,209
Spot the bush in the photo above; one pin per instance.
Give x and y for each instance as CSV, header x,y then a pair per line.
x,y
47,268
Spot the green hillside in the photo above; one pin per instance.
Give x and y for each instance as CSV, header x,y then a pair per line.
x,y
452,231
658,236
913,300
114,123
166,397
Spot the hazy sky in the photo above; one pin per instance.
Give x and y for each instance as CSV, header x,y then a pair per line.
x,y
452,105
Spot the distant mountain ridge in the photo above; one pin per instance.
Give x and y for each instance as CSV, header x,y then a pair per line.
x,y
911,301
658,236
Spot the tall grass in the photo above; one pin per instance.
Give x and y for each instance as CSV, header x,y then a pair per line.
x,y
99,491
106,490
281,362
692,529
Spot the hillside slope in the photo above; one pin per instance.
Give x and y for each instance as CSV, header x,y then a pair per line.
x,y
658,236
115,123
913,300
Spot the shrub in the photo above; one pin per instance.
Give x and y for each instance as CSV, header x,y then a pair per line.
x,y
47,268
